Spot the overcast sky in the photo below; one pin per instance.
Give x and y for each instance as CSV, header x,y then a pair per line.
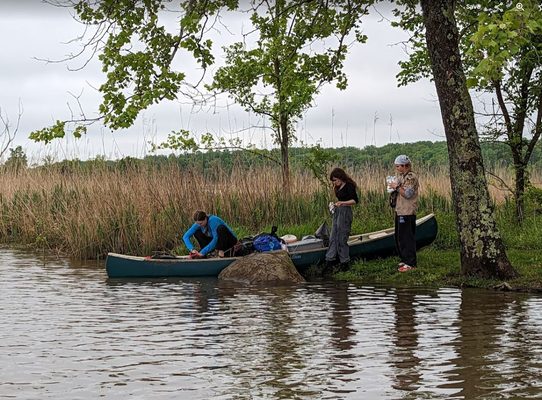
x,y
372,111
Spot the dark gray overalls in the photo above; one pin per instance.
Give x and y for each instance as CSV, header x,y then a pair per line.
x,y
340,231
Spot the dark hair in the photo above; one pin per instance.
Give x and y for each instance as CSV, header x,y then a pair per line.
x,y
339,173
199,215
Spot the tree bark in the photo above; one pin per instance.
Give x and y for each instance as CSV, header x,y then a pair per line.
x,y
519,192
284,154
482,250
517,140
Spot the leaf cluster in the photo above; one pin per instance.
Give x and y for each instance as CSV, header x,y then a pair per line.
x,y
137,54
300,45
496,37
280,75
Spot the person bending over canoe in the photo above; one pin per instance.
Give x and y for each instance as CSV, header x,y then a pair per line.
x,y
211,233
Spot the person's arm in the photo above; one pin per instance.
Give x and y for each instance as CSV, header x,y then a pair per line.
x,y
406,191
408,188
399,188
345,203
187,235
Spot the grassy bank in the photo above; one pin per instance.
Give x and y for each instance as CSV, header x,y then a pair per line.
x,y
86,212
438,268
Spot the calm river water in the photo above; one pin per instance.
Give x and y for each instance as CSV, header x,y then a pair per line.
x,y
67,332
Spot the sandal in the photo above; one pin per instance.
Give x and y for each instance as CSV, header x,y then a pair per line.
x,y
405,268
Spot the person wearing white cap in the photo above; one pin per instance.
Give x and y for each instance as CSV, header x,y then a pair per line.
x,y
405,189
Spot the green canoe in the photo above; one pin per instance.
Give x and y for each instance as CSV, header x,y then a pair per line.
x,y
303,254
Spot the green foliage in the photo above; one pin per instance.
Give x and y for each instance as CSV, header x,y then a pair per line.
x,y
425,154
48,134
318,161
500,46
17,159
504,39
282,60
534,196
282,74
138,53
495,38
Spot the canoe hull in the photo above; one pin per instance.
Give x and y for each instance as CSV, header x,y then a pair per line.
x,y
121,266
367,246
372,245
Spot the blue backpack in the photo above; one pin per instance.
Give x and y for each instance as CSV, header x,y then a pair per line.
x,y
266,242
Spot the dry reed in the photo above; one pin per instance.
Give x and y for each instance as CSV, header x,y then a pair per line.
x,y
135,210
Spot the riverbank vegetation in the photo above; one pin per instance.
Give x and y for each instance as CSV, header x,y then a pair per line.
x,y
86,209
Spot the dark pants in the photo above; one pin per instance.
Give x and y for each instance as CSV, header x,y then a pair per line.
x,y
340,231
405,238
226,240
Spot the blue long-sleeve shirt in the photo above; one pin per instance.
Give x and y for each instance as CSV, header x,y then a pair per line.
x,y
213,222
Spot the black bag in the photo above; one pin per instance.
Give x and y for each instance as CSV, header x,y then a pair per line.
x,y
323,233
246,246
393,198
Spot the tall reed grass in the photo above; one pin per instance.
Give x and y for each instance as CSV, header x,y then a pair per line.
x,y
87,213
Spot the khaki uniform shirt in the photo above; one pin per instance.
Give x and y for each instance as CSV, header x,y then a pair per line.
x,y
407,206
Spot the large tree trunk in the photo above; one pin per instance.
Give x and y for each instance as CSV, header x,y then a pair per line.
x,y
482,249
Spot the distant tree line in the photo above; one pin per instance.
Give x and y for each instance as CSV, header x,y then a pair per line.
x,y
423,154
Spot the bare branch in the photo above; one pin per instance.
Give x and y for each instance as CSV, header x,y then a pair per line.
x,y
7,135
502,184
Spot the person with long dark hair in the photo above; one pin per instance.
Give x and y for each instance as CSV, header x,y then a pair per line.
x,y
211,233
346,193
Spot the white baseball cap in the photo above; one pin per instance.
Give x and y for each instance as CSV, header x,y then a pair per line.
x,y
402,160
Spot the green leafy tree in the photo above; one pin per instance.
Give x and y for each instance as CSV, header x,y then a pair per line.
x,y
482,250
299,46
138,55
500,44
17,159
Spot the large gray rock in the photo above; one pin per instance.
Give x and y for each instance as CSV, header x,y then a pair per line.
x,y
263,268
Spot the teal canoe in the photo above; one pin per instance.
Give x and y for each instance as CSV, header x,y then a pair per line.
x,y
303,254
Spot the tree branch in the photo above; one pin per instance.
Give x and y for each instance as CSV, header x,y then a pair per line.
x,y
7,135
500,99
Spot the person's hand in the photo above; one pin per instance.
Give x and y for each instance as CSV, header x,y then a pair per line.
x,y
394,185
338,203
195,254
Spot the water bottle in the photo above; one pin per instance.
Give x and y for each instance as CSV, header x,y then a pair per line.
x,y
389,180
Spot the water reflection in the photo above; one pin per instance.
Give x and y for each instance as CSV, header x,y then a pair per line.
x,y
498,351
66,332
405,342
341,319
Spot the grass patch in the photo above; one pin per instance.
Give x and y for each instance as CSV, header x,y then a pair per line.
x,y
440,268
